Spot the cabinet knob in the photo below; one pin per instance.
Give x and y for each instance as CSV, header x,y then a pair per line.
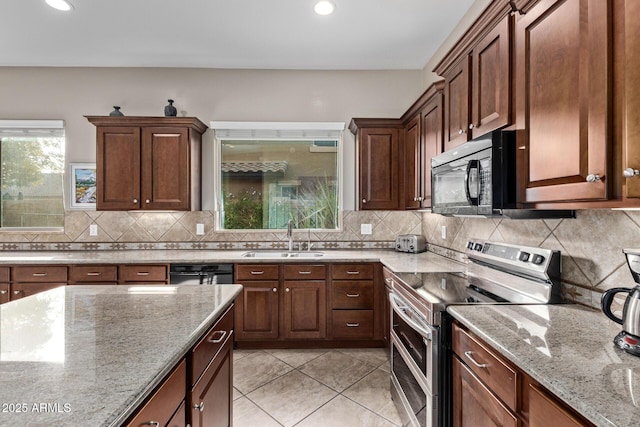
x,y
630,172
364,200
147,201
420,198
135,200
471,126
17,292
287,290
199,407
593,177
275,289
460,132
2,292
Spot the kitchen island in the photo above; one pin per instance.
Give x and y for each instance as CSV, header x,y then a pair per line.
x,y
92,355
569,350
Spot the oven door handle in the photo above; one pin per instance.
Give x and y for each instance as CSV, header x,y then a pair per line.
x,y
399,307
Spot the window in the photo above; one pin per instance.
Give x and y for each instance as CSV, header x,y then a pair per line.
x,y
271,173
32,172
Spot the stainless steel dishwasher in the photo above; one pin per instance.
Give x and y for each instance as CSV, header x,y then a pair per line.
x,y
200,274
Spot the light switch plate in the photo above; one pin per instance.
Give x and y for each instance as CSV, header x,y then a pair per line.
x,y
444,232
93,230
366,229
199,229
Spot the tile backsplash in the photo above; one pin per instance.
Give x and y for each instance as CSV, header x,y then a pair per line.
x,y
591,244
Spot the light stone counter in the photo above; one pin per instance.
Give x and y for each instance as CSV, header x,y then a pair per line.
x,y
89,355
426,262
567,348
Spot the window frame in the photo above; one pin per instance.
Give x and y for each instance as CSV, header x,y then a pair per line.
x,y
275,131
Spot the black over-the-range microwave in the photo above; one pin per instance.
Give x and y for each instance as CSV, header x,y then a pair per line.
x,y
480,178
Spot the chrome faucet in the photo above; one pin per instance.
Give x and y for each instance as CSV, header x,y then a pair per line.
x,y
290,234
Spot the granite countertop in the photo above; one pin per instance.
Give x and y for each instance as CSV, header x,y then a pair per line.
x,y
89,355
398,262
567,348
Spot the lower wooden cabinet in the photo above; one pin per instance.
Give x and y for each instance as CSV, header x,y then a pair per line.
x,y
490,391
305,309
4,293
257,309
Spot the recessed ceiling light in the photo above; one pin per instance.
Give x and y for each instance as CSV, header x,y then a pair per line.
x,y
63,5
324,7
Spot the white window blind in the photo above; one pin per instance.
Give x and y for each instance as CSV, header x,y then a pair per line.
x,y
278,130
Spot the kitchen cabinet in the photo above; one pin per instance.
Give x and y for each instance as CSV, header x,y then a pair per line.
x,y
30,280
477,87
490,391
378,163
93,275
5,287
211,393
423,139
257,307
150,163
305,301
166,406
352,301
152,274
563,92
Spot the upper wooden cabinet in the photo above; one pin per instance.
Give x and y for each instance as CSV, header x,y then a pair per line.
x,y
563,93
477,86
148,162
423,139
378,154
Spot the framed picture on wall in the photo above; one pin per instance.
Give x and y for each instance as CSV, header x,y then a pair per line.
x,y
83,185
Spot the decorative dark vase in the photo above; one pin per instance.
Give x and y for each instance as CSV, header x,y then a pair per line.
x,y
116,112
170,110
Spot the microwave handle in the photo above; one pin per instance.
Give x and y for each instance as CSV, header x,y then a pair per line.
x,y
473,164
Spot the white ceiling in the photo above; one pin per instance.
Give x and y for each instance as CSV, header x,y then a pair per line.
x,y
277,34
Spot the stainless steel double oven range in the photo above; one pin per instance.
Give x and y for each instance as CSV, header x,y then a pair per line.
x,y
421,328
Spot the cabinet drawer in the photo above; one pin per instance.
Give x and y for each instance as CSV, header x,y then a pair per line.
x,y
165,401
487,366
93,273
352,323
257,272
304,271
352,271
142,273
38,274
210,344
4,274
352,294
4,293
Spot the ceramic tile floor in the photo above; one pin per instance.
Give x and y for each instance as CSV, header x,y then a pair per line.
x,y
312,388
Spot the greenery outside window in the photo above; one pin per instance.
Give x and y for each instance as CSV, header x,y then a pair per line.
x,y
273,173
32,173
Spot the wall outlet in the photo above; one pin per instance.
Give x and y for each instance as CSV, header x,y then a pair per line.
x,y
366,229
444,232
199,229
93,230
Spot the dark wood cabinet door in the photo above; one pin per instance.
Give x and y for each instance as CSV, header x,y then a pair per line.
x,y
474,404
4,293
563,98
631,97
118,168
21,290
456,104
211,398
545,411
305,309
432,142
491,94
379,150
165,168
256,310
412,164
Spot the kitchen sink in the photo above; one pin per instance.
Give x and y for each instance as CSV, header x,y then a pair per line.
x,y
281,254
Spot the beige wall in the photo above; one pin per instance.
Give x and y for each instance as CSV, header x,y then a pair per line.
x,y
209,94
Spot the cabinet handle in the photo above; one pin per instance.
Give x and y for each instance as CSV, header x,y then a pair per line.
x,y
151,423
257,273
593,177
353,272
470,357
199,407
39,274
275,289
304,272
630,172
221,334
388,280
287,290
353,325
135,200
94,274
17,292
2,292
142,273
353,295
